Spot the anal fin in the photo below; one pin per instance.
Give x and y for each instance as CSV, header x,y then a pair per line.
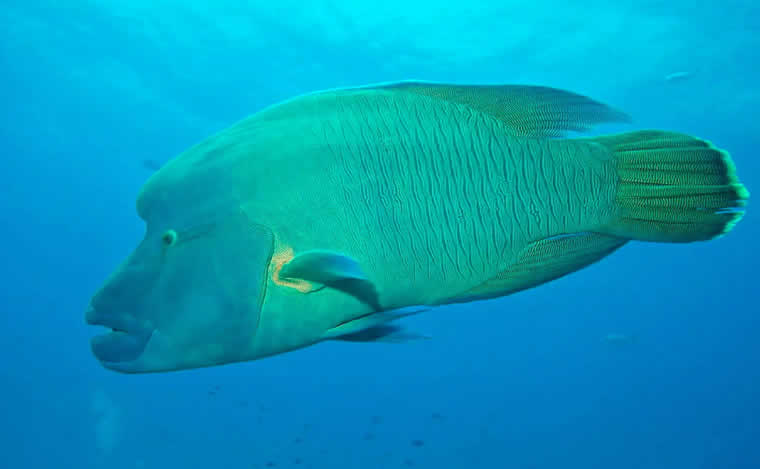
x,y
543,261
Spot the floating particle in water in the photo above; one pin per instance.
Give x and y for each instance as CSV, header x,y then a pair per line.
x,y
368,436
408,462
298,440
436,416
270,464
615,338
678,76
418,443
297,461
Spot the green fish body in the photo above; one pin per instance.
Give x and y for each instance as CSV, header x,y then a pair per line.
x,y
334,214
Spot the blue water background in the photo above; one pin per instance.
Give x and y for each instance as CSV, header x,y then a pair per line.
x,y
91,89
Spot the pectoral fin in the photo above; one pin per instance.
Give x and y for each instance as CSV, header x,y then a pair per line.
x,y
343,273
334,271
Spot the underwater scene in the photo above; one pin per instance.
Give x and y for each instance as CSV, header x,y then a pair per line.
x,y
357,234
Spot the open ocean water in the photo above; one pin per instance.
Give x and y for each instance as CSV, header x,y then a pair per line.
x,y
647,360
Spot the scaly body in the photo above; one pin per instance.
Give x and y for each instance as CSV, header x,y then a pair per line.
x,y
415,195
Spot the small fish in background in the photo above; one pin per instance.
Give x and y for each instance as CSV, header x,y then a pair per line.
x,y
151,165
678,76
614,338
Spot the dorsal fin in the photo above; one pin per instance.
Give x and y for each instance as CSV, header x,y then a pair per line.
x,y
528,111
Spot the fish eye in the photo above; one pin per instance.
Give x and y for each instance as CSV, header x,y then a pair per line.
x,y
169,237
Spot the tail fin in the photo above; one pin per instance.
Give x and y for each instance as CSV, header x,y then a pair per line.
x,y
673,188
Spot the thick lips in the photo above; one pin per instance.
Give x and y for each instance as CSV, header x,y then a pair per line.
x,y
126,341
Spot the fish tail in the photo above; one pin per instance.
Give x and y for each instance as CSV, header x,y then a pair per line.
x,y
673,188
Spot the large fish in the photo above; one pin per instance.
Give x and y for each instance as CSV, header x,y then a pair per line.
x,y
333,214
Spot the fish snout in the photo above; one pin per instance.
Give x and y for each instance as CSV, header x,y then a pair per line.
x,y
125,342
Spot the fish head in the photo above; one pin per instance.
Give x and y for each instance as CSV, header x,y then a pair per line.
x,y
189,296
202,287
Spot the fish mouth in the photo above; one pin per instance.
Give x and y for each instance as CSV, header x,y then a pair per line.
x,y
126,340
